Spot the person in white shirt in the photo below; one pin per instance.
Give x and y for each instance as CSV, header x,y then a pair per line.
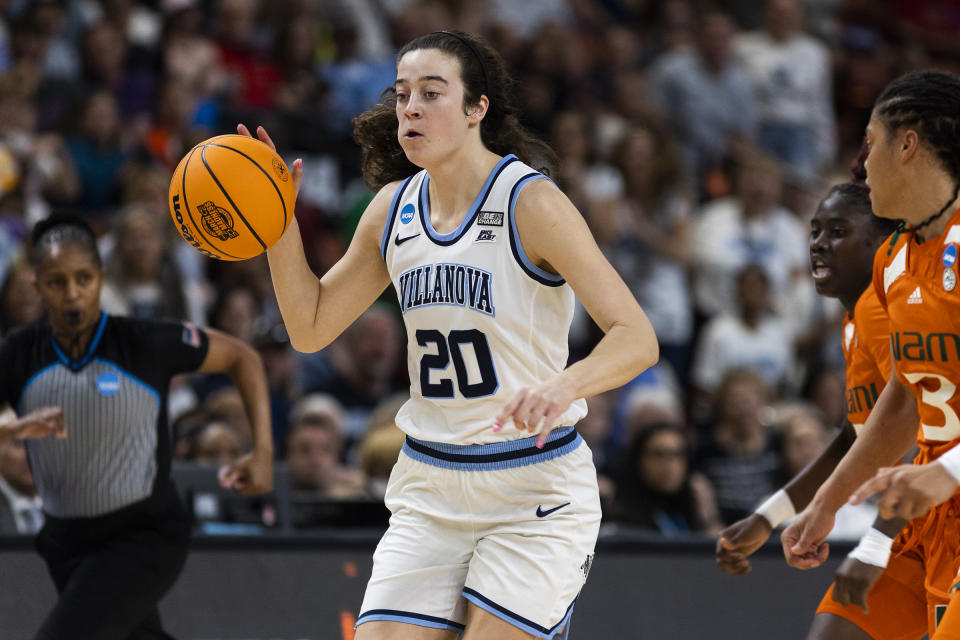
x,y
792,79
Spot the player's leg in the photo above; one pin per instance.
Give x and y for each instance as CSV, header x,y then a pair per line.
x,y
420,564
896,607
482,625
535,551
383,630
115,587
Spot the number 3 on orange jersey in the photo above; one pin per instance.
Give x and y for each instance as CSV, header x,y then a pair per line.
x,y
938,399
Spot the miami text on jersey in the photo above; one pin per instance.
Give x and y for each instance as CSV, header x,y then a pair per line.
x,y
913,345
445,283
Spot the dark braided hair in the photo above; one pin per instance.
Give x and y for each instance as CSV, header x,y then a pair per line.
x,y
929,102
483,72
62,228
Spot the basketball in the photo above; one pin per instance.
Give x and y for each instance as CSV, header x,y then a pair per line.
x,y
231,197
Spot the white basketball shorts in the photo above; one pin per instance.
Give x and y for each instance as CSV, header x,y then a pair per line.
x,y
506,526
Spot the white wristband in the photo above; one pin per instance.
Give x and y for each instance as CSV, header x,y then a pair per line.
x,y
777,509
874,548
951,462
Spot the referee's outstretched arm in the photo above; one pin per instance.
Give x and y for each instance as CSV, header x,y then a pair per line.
x,y
252,473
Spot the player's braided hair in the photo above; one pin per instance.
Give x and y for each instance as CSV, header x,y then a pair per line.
x,y
62,228
929,102
483,72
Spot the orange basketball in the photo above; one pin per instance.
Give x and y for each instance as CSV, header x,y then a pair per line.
x,y
231,197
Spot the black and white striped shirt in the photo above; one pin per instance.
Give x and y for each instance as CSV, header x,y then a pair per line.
x,y
117,450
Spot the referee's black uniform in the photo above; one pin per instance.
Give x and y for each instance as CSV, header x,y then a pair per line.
x,y
116,534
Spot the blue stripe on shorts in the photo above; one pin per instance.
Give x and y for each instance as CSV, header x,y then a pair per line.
x,y
498,455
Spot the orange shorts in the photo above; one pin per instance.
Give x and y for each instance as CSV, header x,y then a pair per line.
x,y
911,598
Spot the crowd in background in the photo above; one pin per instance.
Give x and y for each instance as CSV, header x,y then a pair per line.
x,y
696,139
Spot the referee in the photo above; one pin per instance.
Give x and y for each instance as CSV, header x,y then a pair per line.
x,y
116,534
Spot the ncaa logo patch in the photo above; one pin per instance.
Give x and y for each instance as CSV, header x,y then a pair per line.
x,y
406,214
108,383
950,256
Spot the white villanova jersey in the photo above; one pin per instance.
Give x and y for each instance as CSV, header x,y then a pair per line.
x,y
482,320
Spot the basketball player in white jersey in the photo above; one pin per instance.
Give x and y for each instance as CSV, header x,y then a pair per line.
x,y
494,499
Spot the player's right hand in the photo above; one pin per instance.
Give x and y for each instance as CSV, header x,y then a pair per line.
x,y
296,170
854,581
40,423
738,541
803,541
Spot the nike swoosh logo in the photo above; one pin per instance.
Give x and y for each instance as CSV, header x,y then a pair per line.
x,y
542,514
399,241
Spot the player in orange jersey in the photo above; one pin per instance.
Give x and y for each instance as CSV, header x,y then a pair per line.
x,y
913,170
844,237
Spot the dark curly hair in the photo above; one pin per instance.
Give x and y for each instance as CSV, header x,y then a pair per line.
x,y
483,72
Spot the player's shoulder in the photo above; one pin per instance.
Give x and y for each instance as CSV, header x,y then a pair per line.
x,y
870,315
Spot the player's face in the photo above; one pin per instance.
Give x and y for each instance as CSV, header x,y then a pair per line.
x,y
432,122
842,245
882,175
69,280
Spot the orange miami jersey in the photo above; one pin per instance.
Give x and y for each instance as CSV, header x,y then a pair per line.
x,y
866,352
917,283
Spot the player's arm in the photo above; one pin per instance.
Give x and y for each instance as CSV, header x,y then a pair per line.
x,y
39,423
738,541
317,310
885,438
252,473
556,238
861,569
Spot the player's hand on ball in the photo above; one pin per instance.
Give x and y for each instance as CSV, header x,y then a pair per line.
x,y
537,409
249,475
296,170
738,541
854,581
40,423
908,491
803,541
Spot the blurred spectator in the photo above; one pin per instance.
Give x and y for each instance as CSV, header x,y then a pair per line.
x,y
190,56
656,490
314,447
217,443
581,175
740,456
753,338
280,364
20,302
99,154
235,311
141,278
359,368
750,228
793,80
355,81
378,452
244,54
645,233
174,131
707,97
108,67
20,506
804,435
